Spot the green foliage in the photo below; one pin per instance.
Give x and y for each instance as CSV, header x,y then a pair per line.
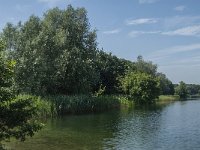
x,y
193,89
54,54
110,68
16,115
145,66
43,106
100,91
181,90
125,101
57,54
166,86
141,87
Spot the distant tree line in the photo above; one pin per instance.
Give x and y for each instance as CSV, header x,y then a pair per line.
x,y
184,90
193,89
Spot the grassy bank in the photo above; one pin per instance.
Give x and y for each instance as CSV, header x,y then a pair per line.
x,y
80,104
168,98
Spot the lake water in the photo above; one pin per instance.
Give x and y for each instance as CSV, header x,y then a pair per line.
x,y
173,126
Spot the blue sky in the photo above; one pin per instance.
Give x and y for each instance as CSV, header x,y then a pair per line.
x,y
166,32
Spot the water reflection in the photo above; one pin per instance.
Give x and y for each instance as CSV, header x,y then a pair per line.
x,y
135,129
162,126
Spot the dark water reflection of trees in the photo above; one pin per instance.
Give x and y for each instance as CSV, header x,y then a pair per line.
x,y
162,126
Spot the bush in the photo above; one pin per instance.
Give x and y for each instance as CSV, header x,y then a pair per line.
x,y
44,107
141,87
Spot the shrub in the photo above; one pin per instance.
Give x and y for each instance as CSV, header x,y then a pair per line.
x,y
141,87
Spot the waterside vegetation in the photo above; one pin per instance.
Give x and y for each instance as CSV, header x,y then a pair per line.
x,y
52,66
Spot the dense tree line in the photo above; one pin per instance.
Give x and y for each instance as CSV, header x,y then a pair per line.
x,y
193,89
185,90
58,54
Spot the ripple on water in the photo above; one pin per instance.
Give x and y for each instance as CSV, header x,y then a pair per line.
x,y
174,126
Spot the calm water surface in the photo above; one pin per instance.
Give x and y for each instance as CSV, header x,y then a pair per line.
x,y
172,126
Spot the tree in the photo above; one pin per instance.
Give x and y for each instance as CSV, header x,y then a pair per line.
x,y
142,87
55,54
166,86
110,68
16,115
148,67
193,89
181,90
145,66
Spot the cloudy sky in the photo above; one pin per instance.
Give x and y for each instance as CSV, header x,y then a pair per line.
x,y
166,32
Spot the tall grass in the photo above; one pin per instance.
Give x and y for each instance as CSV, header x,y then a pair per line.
x,y
78,104
57,105
169,98
82,103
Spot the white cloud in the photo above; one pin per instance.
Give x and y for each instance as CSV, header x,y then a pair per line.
x,y
180,21
147,1
115,31
141,21
164,53
138,33
48,1
190,61
180,8
186,31
52,3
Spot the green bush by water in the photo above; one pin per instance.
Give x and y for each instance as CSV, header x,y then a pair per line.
x,y
44,106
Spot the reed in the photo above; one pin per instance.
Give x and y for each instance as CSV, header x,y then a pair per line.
x,y
58,105
168,98
79,104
